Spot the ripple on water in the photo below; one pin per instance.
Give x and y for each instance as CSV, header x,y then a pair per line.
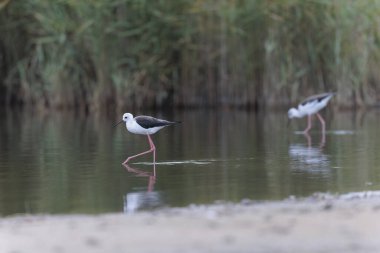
x,y
196,162
332,132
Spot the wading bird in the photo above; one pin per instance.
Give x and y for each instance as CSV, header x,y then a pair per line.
x,y
311,105
144,125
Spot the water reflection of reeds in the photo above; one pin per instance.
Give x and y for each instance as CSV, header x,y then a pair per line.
x,y
60,163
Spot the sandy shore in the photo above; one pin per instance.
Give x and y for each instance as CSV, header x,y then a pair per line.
x,y
323,223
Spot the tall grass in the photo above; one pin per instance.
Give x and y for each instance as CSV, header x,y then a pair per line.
x,y
244,53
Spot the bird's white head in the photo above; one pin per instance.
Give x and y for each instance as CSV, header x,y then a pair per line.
x,y
127,117
294,113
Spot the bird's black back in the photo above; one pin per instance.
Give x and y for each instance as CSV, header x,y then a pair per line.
x,y
318,98
150,122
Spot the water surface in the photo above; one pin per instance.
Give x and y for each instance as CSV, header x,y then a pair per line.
x,y
68,163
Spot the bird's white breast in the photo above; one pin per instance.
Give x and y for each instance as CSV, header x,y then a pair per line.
x,y
135,128
312,107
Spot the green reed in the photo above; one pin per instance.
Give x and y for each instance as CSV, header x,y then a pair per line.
x,y
240,53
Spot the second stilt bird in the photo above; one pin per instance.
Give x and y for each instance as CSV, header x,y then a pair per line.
x,y
144,125
311,105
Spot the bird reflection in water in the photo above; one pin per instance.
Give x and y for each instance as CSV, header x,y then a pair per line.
x,y
321,143
142,200
309,159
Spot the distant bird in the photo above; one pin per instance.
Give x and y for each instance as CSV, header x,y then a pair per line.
x,y
145,125
311,105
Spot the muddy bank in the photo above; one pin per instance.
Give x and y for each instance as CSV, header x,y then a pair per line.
x,y
322,223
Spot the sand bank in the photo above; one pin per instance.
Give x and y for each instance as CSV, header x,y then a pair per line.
x,y
322,223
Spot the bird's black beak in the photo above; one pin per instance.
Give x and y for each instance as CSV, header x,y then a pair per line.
x,y
121,121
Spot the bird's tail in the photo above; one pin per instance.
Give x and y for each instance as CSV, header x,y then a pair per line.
x,y
169,123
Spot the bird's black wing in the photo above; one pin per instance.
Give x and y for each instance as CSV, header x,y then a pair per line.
x,y
318,98
150,122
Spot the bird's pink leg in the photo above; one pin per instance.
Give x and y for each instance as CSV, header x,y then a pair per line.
x,y
151,142
323,126
152,149
308,124
322,121
154,153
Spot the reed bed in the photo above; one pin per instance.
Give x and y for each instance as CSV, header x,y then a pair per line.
x,y
188,53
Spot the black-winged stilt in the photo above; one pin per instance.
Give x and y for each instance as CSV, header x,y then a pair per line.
x,y
144,125
311,105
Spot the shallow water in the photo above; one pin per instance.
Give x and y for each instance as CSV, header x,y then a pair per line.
x,y
67,163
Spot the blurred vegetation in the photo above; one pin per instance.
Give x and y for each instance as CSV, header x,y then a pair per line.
x,y
241,53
